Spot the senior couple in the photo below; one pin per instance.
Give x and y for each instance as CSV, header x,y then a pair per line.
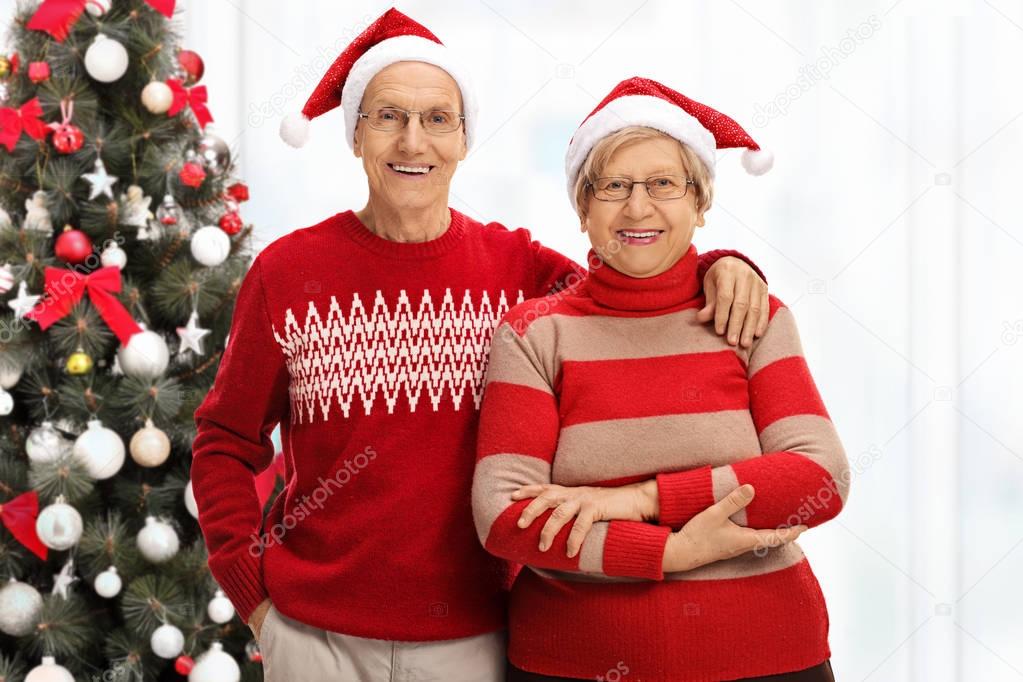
x,y
580,473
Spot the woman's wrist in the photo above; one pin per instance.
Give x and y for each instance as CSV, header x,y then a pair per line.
x,y
649,504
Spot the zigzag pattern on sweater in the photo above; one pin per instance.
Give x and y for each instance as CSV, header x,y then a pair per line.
x,y
380,353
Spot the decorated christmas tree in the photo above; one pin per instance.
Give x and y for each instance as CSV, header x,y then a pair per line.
x,y
121,253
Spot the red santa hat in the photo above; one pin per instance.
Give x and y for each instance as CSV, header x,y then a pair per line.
x,y
647,103
392,38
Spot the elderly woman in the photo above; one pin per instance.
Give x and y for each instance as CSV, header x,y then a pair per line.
x,y
649,476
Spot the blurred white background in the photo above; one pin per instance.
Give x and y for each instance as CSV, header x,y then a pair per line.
x,y
890,224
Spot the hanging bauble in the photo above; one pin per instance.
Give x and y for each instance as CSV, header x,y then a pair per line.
x,y
216,665
45,444
59,525
114,256
68,138
6,278
231,223
78,363
220,609
49,671
108,583
5,66
6,403
97,8
190,504
239,191
214,154
72,246
150,447
192,66
157,97
210,246
158,541
183,664
169,212
191,174
100,450
10,374
167,641
20,605
106,60
146,355
252,651
38,72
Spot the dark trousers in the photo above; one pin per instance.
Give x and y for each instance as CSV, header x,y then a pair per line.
x,y
818,673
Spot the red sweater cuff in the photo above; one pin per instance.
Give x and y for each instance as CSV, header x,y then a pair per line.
x,y
710,257
635,550
242,582
684,494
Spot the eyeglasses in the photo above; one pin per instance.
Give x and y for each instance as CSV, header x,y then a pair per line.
x,y
660,187
392,119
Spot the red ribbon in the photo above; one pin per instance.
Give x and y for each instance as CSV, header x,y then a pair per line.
x,y
25,118
57,17
267,479
195,98
64,288
19,517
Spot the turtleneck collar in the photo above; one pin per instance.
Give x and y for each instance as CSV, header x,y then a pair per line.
x,y
675,286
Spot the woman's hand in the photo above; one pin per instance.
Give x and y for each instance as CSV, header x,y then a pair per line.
x,y
257,617
736,299
711,536
587,505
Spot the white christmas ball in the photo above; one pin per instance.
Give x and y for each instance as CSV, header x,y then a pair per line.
x,y
157,97
114,256
20,605
190,504
49,671
158,541
216,665
6,403
145,357
106,60
220,609
44,444
108,583
150,446
59,525
100,450
9,375
167,641
97,8
210,245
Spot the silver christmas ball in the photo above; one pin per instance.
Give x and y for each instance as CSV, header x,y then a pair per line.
x,y
114,256
59,525
150,446
100,450
145,357
108,583
106,60
216,665
49,671
157,97
220,609
6,403
210,246
167,641
45,444
158,541
214,154
20,604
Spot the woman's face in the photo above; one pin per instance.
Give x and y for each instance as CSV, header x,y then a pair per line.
x,y
609,224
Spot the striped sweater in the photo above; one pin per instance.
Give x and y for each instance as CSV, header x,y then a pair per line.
x,y
615,381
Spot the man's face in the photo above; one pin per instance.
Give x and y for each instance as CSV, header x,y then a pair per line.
x,y
412,86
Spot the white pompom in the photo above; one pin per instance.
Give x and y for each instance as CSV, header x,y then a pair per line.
x,y
295,129
757,162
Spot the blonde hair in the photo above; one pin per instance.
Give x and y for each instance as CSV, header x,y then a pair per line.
x,y
602,152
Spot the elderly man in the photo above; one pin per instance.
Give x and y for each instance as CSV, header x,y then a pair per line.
x,y
366,338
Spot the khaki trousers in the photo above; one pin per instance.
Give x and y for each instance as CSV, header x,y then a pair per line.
x,y
295,652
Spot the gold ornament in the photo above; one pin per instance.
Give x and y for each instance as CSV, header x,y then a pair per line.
x,y
149,446
5,66
79,362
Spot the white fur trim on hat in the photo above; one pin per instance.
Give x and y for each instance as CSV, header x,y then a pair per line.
x,y
637,110
405,49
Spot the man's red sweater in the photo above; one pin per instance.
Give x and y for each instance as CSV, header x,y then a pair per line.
x,y
370,354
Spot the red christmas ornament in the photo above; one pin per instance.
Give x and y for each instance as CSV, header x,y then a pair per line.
x,y
192,174
38,72
239,191
192,65
231,223
67,137
72,246
184,664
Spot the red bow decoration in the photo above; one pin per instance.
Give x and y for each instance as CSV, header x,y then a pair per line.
x,y
26,117
195,98
56,17
19,516
64,288
267,479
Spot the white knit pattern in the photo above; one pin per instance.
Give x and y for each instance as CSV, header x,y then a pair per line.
x,y
385,354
